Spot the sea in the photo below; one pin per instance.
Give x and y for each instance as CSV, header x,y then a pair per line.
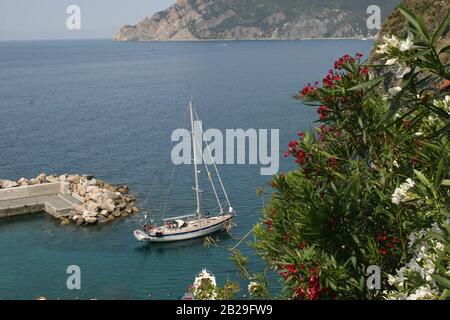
x,y
109,109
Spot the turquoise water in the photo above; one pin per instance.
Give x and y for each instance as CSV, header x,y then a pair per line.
x,y
109,109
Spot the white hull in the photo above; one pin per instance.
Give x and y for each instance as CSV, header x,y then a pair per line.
x,y
187,234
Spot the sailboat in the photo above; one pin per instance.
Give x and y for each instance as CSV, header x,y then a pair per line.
x,y
197,224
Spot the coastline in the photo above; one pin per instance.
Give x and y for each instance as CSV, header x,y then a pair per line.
x,y
249,39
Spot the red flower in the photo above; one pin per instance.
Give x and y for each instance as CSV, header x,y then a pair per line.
x,y
383,251
322,110
291,268
302,245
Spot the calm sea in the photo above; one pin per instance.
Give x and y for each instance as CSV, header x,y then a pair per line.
x,y
109,109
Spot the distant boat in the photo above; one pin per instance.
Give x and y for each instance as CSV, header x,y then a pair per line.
x,y
202,276
192,225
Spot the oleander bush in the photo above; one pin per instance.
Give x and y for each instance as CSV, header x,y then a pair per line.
x,y
372,184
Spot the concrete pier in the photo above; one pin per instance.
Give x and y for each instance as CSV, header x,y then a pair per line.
x,y
53,198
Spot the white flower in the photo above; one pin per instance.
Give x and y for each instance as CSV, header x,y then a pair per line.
x,y
392,41
382,48
390,62
401,193
418,134
252,286
402,70
407,44
395,163
394,91
410,183
422,293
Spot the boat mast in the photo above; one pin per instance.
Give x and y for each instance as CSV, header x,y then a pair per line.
x,y
194,149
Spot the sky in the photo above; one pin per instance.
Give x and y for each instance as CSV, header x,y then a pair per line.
x,y
46,19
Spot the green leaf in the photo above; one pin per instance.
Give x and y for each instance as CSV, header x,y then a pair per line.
x,y
368,85
446,182
422,178
441,280
439,175
415,22
441,29
444,294
444,49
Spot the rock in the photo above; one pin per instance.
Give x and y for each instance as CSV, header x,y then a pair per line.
x,y
111,218
88,176
91,220
92,182
65,221
91,206
121,204
123,189
110,187
81,190
9,184
62,178
116,213
52,179
102,219
135,210
92,189
80,221
110,195
104,213
129,208
33,182
23,182
41,177
74,179
95,196
108,205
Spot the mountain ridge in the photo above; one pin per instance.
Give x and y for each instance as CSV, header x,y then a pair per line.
x,y
256,19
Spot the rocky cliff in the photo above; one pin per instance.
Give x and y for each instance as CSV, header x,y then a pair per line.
x,y
256,19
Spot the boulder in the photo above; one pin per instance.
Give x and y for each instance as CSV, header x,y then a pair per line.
x,y
129,208
52,179
81,190
74,179
91,220
41,177
33,182
91,206
121,204
64,221
107,204
92,189
80,221
102,219
110,187
62,178
104,213
23,182
9,184
135,210
116,213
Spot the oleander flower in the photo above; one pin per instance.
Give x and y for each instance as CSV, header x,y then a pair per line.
x,y
406,45
394,91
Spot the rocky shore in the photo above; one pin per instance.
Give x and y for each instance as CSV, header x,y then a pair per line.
x,y
99,202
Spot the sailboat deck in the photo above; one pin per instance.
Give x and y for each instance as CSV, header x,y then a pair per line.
x,y
194,225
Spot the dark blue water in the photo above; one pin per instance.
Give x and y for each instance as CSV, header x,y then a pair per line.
x,y
109,109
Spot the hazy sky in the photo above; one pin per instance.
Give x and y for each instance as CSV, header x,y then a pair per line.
x,y
46,19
